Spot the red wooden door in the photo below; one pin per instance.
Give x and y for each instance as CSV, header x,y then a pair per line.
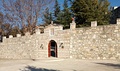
x,y
49,47
55,49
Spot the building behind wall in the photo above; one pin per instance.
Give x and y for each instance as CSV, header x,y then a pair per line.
x,y
95,42
115,13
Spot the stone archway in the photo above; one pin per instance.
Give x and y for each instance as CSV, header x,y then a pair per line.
x,y
52,49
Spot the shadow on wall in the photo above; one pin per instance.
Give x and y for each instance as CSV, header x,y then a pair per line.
x,y
32,68
116,66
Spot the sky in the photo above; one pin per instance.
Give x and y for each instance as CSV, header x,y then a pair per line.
x,y
112,2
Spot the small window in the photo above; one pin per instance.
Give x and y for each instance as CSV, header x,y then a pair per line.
x,y
52,31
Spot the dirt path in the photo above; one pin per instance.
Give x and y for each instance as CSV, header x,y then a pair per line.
x,y
53,64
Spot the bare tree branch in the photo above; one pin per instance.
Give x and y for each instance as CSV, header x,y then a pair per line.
x,y
24,13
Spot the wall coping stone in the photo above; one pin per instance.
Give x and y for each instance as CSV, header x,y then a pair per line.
x,y
10,36
118,21
18,35
93,23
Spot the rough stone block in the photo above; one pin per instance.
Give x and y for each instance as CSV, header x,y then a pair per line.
x,y
118,21
83,57
61,27
4,37
51,22
98,57
27,33
37,31
112,58
104,57
10,36
18,35
93,23
73,25
71,57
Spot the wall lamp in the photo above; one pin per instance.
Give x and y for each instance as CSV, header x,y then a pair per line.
x,y
41,46
61,45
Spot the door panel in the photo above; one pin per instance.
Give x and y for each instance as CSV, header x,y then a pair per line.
x,y
52,49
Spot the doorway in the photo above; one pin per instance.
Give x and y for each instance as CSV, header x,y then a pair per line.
x,y
52,49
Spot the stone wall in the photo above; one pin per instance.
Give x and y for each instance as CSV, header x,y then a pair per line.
x,y
101,42
25,47
95,42
35,46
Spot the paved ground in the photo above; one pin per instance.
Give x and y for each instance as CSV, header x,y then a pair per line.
x,y
54,64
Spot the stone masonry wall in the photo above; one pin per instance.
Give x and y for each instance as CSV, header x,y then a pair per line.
x,y
95,42
35,46
25,47
101,42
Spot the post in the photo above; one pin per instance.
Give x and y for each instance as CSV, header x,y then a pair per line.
x,y
61,27
18,35
10,36
73,25
118,21
4,37
93,23
27,33
51,22
37,31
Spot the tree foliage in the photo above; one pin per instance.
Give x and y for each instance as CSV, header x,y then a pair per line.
x,y
24,13
62,16
86,11
57,9
7,29
66,14
1,22
47,17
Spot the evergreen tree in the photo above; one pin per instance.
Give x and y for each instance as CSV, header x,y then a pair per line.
x,y
59,18
86,11
56,11
1,23
47,17
66,15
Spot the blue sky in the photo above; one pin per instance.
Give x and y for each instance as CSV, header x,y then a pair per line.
x,y
112,2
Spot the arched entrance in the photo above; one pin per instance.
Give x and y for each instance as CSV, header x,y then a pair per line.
x,y
52,49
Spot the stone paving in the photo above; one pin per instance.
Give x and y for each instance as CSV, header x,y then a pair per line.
x,y
56,64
